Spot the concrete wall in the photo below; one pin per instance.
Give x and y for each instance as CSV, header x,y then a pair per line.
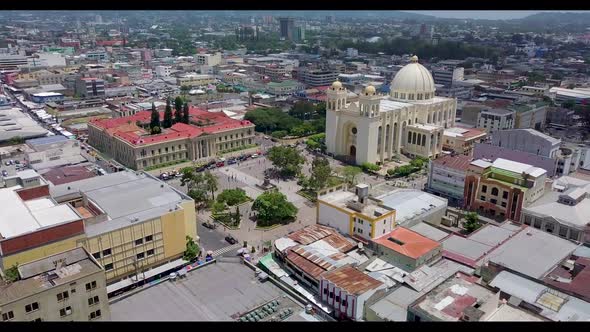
x,y
333,217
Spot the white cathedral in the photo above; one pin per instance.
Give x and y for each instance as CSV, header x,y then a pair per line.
x,y
411,120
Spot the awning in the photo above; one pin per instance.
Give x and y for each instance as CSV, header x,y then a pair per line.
x,y
148,274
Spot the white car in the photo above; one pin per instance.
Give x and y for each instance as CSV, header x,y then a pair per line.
x,y
254,155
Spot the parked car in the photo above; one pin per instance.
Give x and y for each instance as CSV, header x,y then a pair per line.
x,y
220,164
254,155
231,240
4,173
209,225
231,161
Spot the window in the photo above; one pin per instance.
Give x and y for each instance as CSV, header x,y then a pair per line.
x,y
495,191
65,311
483,198
94,315
503,204
527,220
537,224
337,298
493,201
93,300
150,252
484,189
32,307
505,195
331,295
141,255
8,316
63,296
325,291
344,302
106,252
149,238
562,231
574,234
138,242
108,267
96,255
91,285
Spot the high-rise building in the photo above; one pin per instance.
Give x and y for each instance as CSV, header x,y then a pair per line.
x,y
287,25
299,34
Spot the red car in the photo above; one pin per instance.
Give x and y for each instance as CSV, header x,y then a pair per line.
x,y
220,164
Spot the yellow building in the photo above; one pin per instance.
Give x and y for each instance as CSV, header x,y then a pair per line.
x,y
195,80
355,214
133,221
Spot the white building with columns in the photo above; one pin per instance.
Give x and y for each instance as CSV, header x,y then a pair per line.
x,y
410,120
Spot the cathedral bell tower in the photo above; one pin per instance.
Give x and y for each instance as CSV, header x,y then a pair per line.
x,y
369,102
336,97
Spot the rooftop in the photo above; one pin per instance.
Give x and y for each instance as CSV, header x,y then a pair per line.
x,y
516,167
532,292
343,199
456,297
458,162
410,203
351,280
19,217
61,175
126,197
407,242
14,123
49,272
576,280
217,292
467,133
509,313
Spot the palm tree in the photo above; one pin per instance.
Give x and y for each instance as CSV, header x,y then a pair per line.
x,y
211,183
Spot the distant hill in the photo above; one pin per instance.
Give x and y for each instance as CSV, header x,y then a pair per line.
x,y
557,17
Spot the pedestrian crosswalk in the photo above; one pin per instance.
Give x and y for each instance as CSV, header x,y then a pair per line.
x,y
233,247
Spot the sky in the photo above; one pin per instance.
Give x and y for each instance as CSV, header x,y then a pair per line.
x,y
482,14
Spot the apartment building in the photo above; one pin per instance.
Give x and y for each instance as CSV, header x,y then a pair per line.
x,y
208,135
530,116
89,87
492,120
208,59
502,188
317,77
64,287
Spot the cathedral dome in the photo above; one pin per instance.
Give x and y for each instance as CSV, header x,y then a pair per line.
x,y
337,85
413,82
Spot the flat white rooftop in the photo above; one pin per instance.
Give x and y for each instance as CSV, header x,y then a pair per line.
x,y
18,217
517,167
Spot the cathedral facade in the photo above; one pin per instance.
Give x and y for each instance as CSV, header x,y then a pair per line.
x,y
410,120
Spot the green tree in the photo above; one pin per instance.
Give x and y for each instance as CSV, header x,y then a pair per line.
x,y
218,208
16,140
184,89
232,197
155,130
12,274
302,110
272,207
192,249
320,173
271,119
286,159
167,123
279,133
471,222
350,173
370,167
178,109
185,114
211,183
155,117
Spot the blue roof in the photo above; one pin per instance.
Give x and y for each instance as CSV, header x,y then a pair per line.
x,y
46,140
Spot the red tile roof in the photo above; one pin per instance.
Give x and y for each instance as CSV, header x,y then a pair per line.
x,y
579,283
126,129
413,244
458,162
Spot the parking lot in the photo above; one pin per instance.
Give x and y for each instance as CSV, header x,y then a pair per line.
x,y
217,292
